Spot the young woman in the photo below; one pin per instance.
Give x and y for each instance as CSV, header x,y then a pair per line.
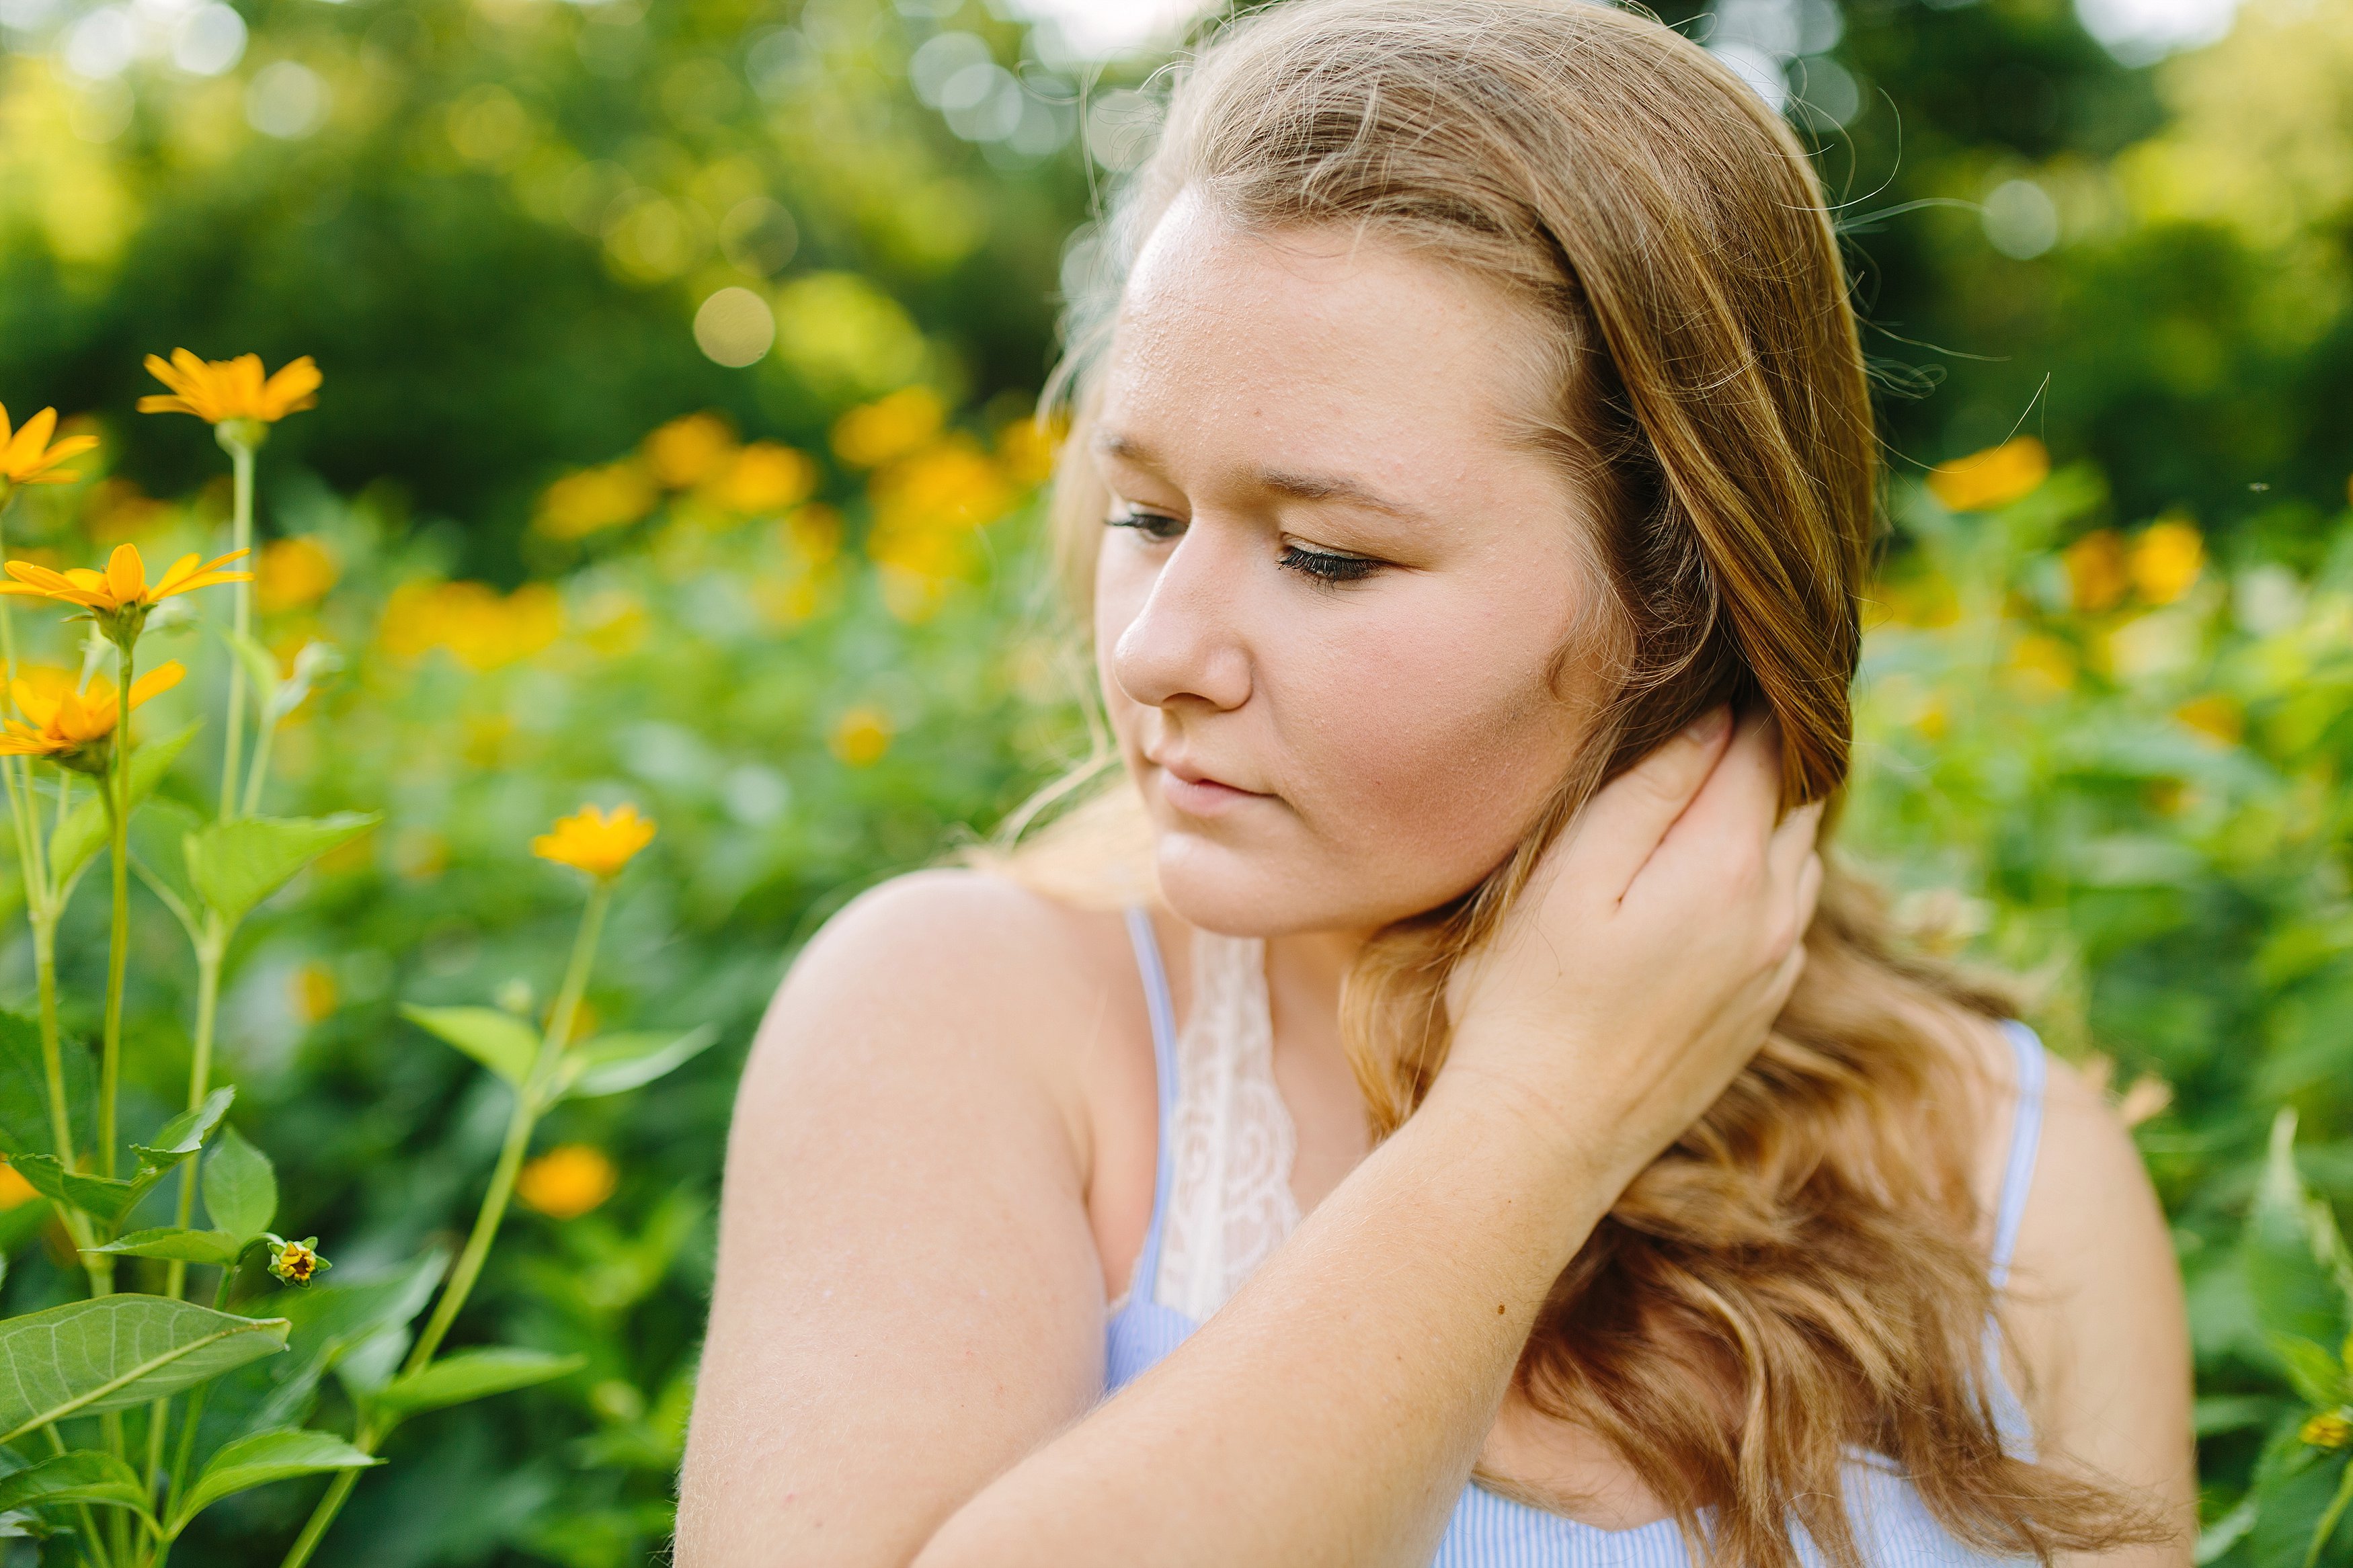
x,y
1437,1106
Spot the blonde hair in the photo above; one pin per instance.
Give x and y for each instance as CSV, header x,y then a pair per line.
x,y
1798,1274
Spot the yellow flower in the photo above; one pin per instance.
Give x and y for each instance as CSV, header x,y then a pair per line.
x,y
764,477
1995,477
594,842
15,1189
71,727
2328,1430
481,628
296,1261
120,597
889,427
2165,560
688,450
2215,716
1028,451
314,993
294,572
217,391
861,737
2043,665
567,1181
2095,571
594,500
29,457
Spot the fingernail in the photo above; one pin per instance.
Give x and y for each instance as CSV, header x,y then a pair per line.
x,y
1710,724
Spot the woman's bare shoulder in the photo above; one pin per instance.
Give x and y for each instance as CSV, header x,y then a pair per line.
x,y
954,957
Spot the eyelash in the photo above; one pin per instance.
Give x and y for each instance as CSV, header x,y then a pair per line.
x,y
1321,565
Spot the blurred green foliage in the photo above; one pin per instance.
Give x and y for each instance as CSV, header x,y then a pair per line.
x,y
2102,740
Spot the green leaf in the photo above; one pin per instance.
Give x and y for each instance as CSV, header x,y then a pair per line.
x,y
105,1198
2293,1259
473,1374
86,1474
184,1133
500,1041
2317,1375
234,864
240,1187
116,1351
218,1248
262,1458
159,833
611,1063
84,831
25,1127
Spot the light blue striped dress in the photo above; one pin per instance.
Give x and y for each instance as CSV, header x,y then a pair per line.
x,y
1892,1526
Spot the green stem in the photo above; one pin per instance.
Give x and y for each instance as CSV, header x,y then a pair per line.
x,y
241,538
2327,1525
527,1106
209,953
264,733
117,953
323,1516
194,1416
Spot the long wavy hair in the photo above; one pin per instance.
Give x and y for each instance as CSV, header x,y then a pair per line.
x,y
1800,1274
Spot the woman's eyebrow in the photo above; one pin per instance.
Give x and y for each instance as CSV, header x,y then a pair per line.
x,y
1330,487
1282,481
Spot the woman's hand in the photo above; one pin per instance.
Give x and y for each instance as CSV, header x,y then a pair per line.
x,y
1651,952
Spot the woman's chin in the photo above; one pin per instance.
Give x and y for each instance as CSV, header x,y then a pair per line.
x,y
1219,887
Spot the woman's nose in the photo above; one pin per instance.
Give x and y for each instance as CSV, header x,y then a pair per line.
x,y
1186,640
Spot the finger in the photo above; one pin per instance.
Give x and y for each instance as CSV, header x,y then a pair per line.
x,y
1786,852
1785,980
1627,817
1732,817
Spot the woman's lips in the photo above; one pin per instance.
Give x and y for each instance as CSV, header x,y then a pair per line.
x,y
1201,796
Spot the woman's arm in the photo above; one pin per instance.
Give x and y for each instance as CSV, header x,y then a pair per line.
x,y
2099,1313
908,1305
908,1297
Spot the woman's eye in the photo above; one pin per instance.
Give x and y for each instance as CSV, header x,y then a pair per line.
x,y
1151,524
1327,567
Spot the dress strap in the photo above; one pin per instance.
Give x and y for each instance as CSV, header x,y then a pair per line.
x,y
2025,1138
1163,1056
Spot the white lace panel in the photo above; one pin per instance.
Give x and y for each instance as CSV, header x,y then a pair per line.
x,y
1231,1201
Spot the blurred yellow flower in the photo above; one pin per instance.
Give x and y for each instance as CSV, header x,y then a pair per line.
x,y
314,992
926,507
2046,665
814,533
690,450
2213,715
594,500
2096,578
861,736
594,842
2165,560
567,1181
73,728
216,391
764,477
889,427
15,1189
2327,1430
28,457
119,596
293,572
481,628
1995,477
1028,452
